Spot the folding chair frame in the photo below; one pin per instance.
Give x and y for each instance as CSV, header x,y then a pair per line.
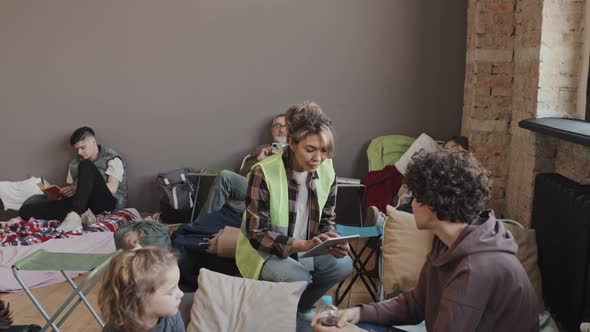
x,y
360,271
79,290
203,172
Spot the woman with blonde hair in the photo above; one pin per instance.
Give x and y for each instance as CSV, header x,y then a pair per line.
x,y
140,290
290,203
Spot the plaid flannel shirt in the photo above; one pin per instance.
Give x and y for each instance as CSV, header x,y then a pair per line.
x,y
258,211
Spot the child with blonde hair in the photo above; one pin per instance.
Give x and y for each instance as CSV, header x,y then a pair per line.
x,y
140,289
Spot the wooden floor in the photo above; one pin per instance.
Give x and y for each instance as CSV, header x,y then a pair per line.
x,y
51,297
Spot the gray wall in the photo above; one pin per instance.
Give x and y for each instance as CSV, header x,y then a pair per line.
x,y
193,83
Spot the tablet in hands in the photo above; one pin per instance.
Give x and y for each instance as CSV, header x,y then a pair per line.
x,y
322,248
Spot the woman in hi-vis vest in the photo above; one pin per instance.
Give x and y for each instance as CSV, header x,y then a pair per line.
x,y
290,203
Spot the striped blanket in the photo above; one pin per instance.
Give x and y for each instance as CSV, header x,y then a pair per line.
x,y
18,232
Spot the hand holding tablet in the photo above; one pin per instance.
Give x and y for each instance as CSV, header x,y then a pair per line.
x,y
328,242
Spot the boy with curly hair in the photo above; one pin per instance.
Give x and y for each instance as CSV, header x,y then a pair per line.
x,y
471,280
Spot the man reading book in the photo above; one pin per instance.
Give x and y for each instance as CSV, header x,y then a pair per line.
x,y
51,190
97,179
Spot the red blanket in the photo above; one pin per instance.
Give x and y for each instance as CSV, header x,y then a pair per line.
x,y
25,233
382,186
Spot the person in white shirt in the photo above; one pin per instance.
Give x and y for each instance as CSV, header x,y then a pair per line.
x,y
97,179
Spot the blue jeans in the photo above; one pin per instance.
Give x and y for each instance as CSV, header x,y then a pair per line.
x,y
226,186
328,271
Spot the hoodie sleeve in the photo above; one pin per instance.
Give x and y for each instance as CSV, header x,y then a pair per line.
x,y
407,308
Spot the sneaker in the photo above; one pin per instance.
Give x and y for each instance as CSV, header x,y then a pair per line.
x,y
71,223
306,315
375,217
88,218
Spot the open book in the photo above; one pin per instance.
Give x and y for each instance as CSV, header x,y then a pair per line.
x,y
50,190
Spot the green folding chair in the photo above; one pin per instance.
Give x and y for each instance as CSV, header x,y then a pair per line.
x,y
386,150
42,260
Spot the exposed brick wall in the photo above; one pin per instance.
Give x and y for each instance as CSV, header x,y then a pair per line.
x,y
573,161
488,94
522,62
527,42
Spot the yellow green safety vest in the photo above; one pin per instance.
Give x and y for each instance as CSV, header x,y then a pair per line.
x,y
250,260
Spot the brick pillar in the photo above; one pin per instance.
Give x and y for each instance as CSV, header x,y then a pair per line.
x,y
488,93
527,45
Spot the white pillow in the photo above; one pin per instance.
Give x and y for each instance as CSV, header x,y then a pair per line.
x,y
423,142
14,193
225,303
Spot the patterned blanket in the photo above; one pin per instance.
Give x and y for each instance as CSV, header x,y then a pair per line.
x,y
25,233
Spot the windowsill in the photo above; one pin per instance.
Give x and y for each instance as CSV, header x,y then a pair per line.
x,y
576,131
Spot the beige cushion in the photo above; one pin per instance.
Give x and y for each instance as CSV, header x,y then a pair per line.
x,y
527,255
404,251
225,303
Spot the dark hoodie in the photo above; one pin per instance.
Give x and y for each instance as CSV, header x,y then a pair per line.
x,y
477,284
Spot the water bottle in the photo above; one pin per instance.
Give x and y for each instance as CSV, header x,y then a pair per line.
x,y
328,312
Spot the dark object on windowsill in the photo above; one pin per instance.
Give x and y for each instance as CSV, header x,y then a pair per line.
x,y
572,130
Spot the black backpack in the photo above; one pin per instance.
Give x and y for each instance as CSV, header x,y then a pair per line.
x,y
177,195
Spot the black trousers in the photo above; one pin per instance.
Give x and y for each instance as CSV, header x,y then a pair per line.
x,y
92,193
